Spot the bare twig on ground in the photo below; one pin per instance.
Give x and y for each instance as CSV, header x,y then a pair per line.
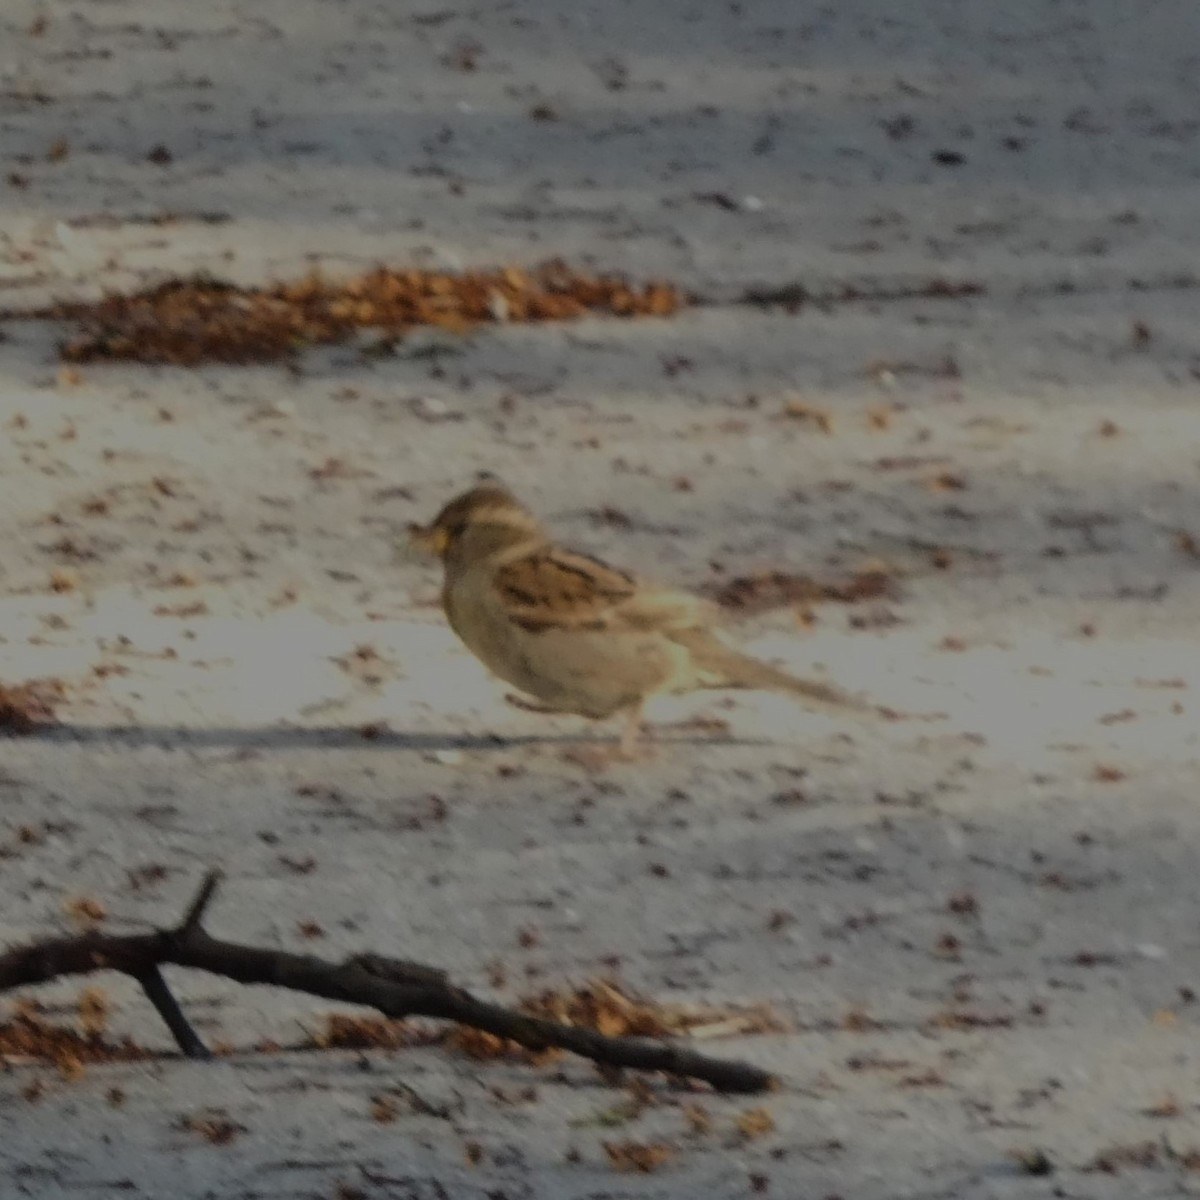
x,y
393,987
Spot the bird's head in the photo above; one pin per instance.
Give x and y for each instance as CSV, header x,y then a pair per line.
x,y
486,518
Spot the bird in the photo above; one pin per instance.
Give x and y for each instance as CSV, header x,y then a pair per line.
x,y
576,635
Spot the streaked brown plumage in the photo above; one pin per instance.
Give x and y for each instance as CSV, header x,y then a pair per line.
x,y
574,633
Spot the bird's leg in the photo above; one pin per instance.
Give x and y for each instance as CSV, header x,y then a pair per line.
x,y
631,735
629,748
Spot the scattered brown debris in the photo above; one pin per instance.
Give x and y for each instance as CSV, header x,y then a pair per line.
x,y
28,1037
1092,958
794,296
27,707
298,864
880,617
611,515
946,481
214,1125
186,322
1134,1154
801,410
609,1008
147,876
85,910
1186,543
879,416
965,1019
195,608
778,589
755,1123
858,1020
365,664
1165,1108
345,1032
874,1062
638,1156
948,946
929,1077
1033,1161
94,1007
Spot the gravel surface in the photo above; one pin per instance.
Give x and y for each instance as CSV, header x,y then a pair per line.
x,y
983,928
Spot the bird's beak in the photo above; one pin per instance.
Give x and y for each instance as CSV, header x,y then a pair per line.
x,y
430,539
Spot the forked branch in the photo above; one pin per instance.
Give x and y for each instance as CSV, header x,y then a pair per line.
x,y
393,987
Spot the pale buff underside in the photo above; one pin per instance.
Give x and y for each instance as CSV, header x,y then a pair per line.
x,y
655,641
592,672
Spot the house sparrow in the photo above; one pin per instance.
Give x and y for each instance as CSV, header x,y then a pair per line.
x,y
575,634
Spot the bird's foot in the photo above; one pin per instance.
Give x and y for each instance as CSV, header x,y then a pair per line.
x,y
527,705
599,756
631,747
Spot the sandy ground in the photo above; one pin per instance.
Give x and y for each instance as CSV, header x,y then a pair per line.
x,y
985,930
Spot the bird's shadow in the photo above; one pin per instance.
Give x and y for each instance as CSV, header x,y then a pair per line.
x,y
345,737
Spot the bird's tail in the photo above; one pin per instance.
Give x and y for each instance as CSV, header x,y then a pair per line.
x,y
718,666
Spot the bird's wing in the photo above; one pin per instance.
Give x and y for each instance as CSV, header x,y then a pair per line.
x,y
554,588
